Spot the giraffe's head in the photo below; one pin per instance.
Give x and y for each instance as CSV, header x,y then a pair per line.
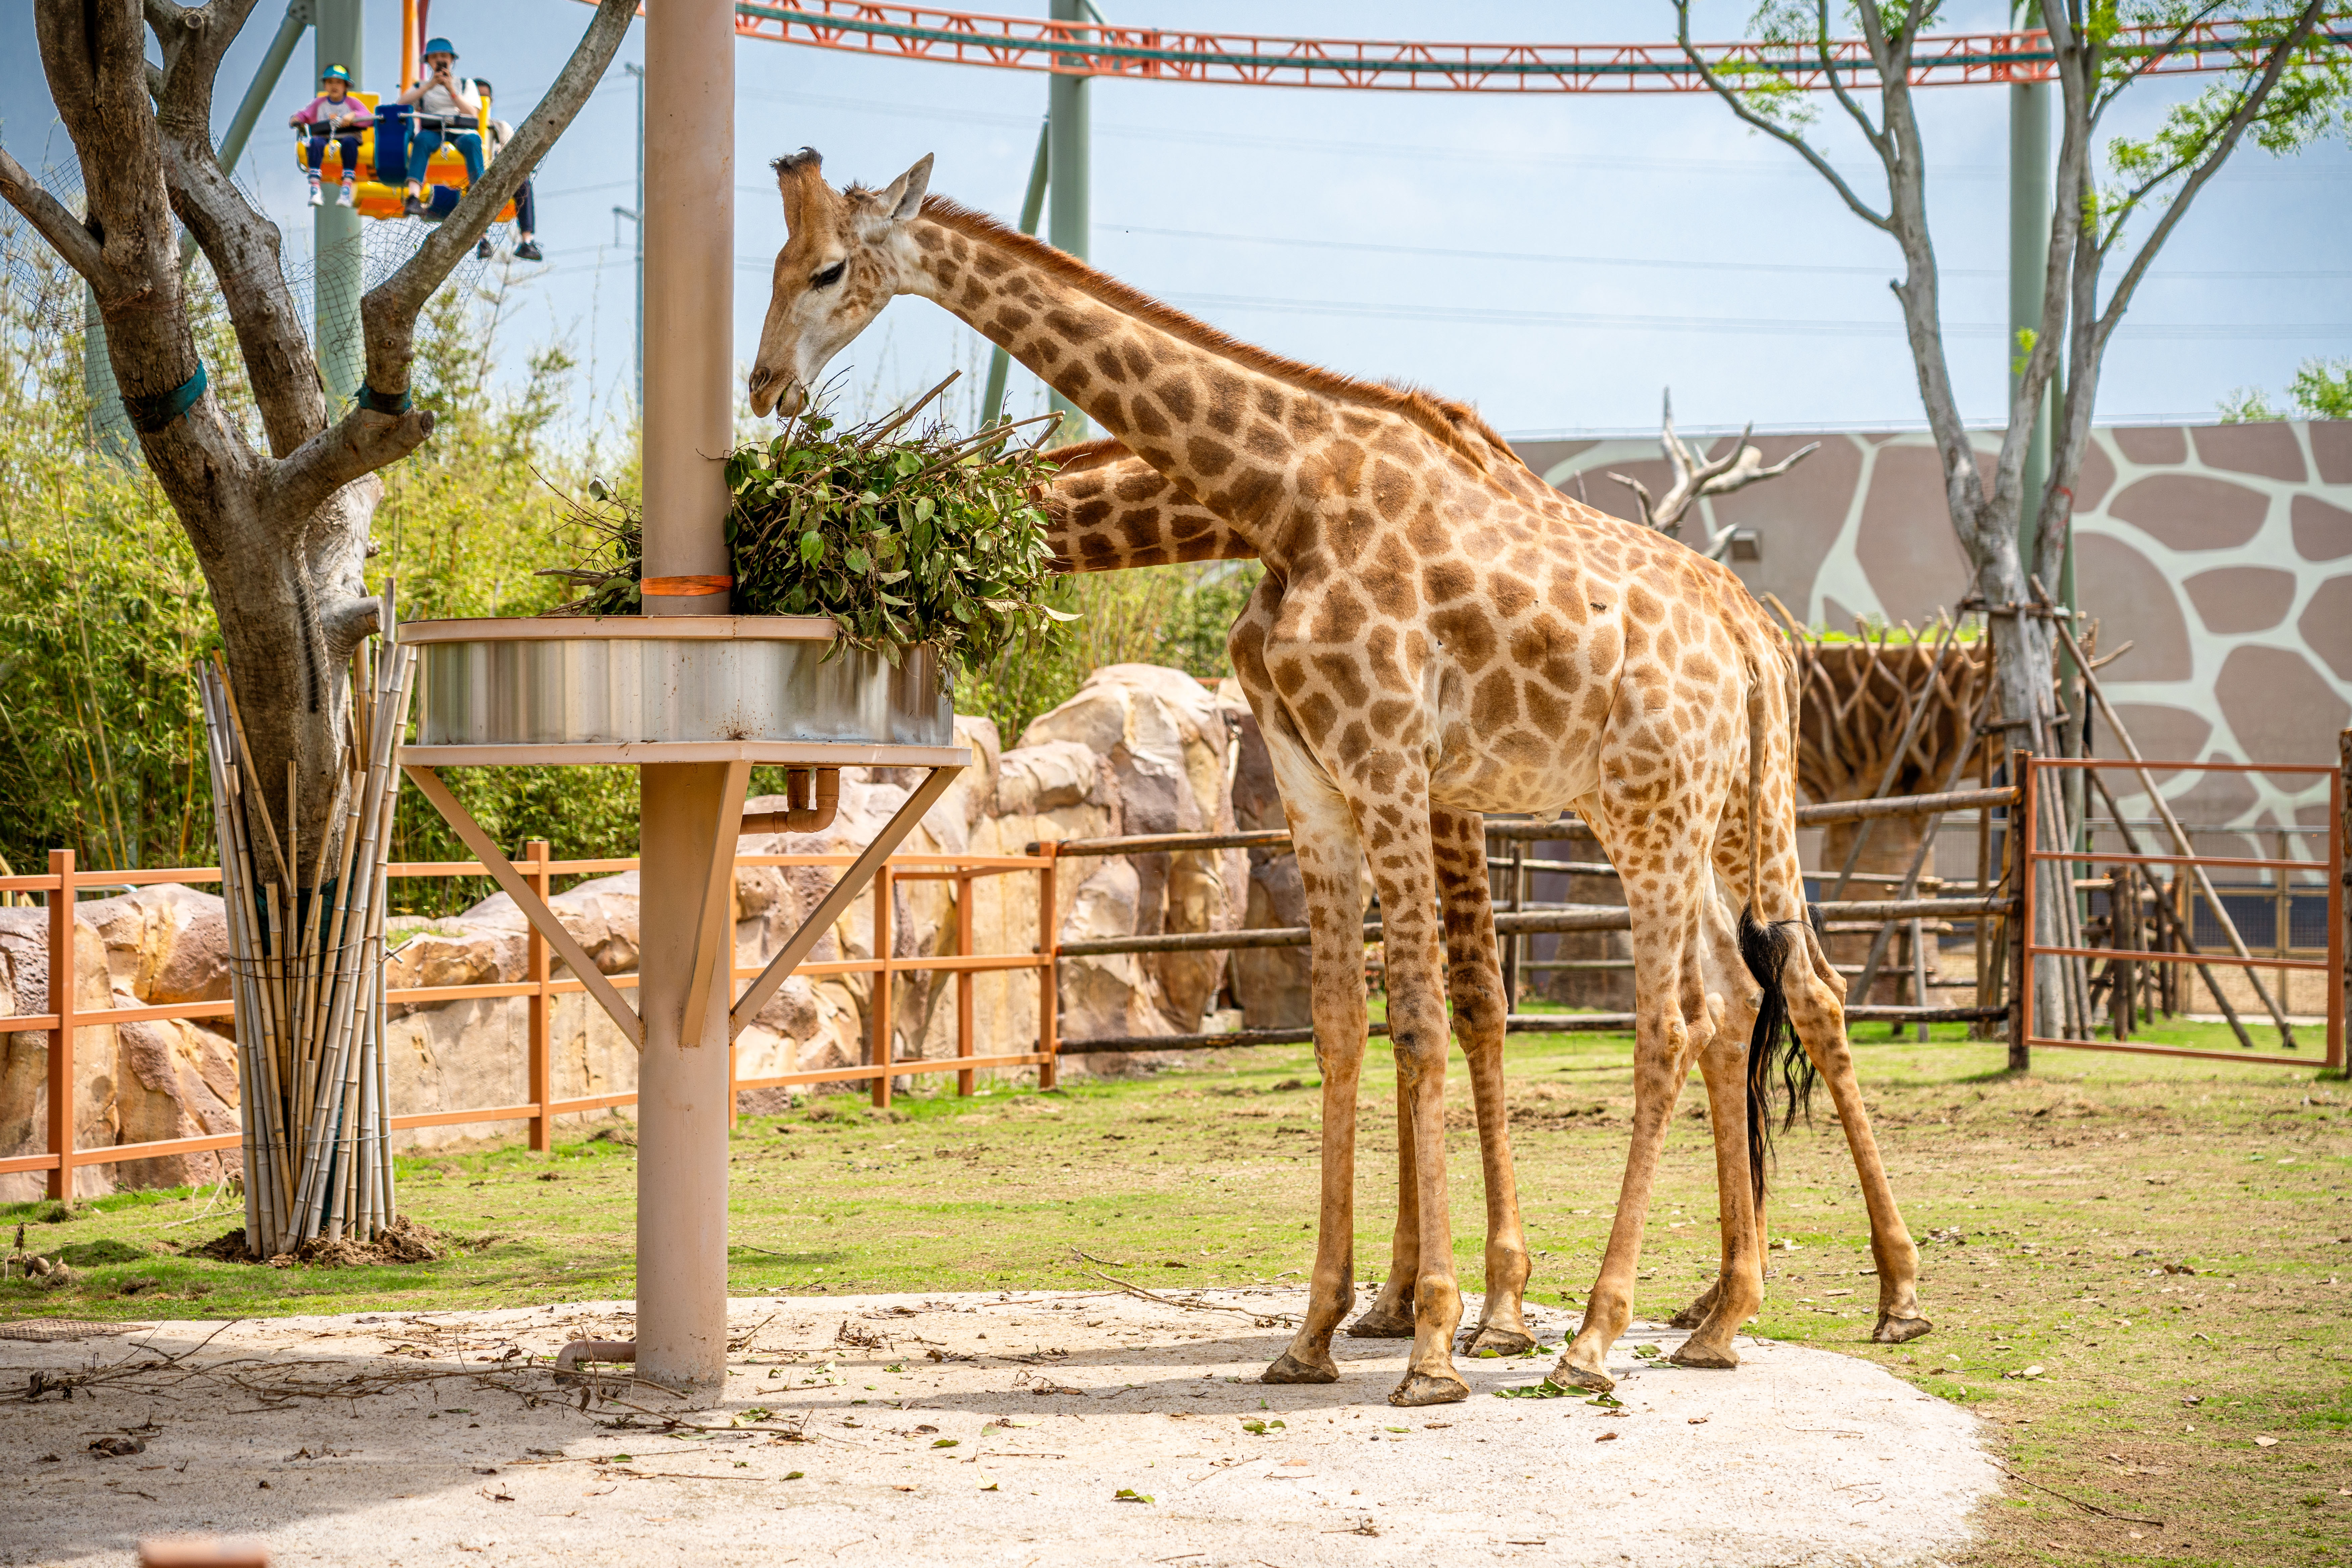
x,y
840,265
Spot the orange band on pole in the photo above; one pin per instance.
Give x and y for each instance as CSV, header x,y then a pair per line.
x,y
686,587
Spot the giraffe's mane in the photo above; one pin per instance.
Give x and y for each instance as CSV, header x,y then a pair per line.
x,y
1455,424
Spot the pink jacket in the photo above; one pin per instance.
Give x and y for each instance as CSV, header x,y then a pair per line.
x,y
321,109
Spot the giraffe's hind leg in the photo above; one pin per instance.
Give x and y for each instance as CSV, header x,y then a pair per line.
x,y
1817,1008
1739,1288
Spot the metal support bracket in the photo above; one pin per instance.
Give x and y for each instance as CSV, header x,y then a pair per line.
x,y
534,908
836,902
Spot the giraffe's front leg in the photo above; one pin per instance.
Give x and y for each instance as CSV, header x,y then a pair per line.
x,y
1474,981
1389,1317
1330,857
1417,1030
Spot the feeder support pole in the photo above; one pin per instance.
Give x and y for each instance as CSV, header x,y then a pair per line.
x,y
688,235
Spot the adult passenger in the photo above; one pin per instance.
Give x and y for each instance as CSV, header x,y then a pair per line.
x,y
526,208
446,109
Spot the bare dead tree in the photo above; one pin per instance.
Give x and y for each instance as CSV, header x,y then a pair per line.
x,y
1697,477
281,534
2287,91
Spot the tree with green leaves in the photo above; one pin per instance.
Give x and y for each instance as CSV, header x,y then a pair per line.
x,y
280,525
2289,86
2322,389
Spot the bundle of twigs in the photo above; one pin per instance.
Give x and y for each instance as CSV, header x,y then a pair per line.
x,y
308,960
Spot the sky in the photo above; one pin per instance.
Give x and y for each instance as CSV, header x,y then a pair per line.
x,y
1559,259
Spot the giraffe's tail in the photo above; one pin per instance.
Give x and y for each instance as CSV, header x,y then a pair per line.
x,y
1764,947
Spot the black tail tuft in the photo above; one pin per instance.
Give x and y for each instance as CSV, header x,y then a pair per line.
x,y
1764,948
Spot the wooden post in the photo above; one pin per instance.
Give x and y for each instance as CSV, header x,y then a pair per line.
x,y
877,1010
539,971
2123,935
964,979
1986,987
1514,945
2339,925
2282,915
61,1039
2021,869
1049,974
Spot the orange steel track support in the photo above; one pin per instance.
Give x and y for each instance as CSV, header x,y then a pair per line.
x,y
1172,54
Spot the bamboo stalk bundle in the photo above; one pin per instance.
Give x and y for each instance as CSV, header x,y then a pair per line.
x,y
309,969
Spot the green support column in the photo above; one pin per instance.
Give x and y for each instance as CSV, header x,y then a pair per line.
x,y
110,426
1069,172
338,246
991,401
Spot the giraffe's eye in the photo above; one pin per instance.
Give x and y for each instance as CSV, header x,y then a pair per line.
x,y
829,277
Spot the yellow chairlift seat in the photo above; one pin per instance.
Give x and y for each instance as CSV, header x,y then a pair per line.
x,y
380,190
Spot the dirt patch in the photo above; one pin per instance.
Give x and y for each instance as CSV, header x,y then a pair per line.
x,y
867,1429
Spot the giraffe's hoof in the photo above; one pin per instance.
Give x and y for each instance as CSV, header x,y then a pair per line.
x,y
1378,1324
1894,1331
1289,1368
1568,1377
1695,1354
1428,1388
1694,1314
1491,1340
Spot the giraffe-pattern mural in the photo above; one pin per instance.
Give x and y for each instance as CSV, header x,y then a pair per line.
x,y
2222,552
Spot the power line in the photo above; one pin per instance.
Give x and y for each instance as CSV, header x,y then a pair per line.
x,y
1653,261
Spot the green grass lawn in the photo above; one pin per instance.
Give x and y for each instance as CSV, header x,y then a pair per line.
x,y
2049,1207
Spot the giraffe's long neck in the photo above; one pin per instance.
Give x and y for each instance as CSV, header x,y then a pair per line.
x,y
1108,510
1225,432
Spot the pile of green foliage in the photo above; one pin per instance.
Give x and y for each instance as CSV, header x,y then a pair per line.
x,y
896,538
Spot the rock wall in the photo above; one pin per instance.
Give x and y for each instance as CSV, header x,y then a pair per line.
x,y
1137,750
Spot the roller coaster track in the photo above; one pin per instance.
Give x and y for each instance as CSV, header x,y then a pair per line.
x,y
1158,54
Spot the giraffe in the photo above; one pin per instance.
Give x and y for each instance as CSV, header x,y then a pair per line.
x,y
1108,509
1436,629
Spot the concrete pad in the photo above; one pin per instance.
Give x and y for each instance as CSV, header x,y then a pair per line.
x,y
1005,1434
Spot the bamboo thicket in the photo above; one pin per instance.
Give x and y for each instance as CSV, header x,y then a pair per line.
x,y
309,970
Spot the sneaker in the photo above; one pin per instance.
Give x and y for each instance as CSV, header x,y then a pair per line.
x,y
346,196
529,251
319,197
412,204
482,249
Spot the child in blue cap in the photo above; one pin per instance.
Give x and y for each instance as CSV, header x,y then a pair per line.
x,y
447,109
333,114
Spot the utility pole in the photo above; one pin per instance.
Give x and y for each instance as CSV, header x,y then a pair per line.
x,y
338,251
1068,134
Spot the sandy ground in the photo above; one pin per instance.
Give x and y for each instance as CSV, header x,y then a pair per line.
x,y
978,1429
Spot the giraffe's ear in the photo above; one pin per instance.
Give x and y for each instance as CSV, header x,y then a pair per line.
x,y
905,196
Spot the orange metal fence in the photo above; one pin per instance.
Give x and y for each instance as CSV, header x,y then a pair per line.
x,y
2039,775
540,986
